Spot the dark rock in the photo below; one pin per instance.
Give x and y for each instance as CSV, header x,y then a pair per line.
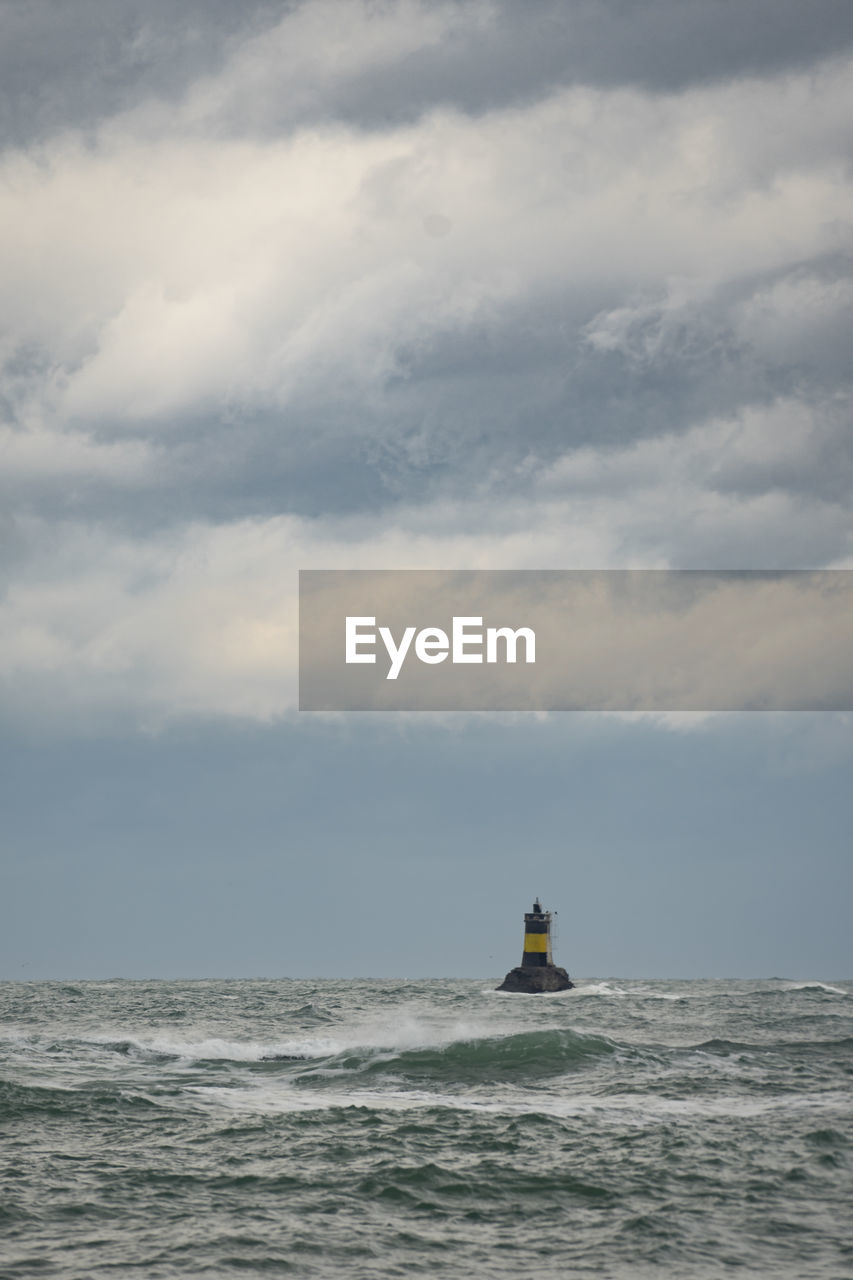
x,y
545,977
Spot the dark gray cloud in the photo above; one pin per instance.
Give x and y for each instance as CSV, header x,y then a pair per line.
x,y
77,63
524,50
73,65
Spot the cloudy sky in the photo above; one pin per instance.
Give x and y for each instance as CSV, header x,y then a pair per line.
x,y
339,284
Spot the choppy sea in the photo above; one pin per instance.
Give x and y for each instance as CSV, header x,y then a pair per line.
x,y
436,1128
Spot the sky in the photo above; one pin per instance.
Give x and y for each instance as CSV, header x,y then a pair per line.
x,y
409,285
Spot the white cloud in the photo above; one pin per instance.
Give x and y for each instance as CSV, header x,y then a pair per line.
x,y
170,273
172,268
315,48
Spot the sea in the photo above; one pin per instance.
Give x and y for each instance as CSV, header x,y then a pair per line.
x,y
432,1128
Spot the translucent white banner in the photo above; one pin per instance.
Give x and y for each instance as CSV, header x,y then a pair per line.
x,y
607,640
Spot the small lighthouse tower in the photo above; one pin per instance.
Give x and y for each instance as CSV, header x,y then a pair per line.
x,y
537,971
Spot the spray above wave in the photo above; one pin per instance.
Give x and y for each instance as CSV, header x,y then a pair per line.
x,y
470,1049
428,1049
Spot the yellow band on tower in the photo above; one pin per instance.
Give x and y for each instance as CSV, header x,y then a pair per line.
x,y
536,942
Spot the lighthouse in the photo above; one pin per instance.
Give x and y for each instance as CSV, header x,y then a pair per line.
x,y
537,971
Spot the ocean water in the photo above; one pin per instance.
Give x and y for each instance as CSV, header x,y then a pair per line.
x,y
435,1128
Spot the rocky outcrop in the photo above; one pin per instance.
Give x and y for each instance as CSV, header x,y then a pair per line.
x,y
545,977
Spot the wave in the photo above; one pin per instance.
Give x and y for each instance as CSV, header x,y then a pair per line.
x,y
637,991
471,1051
526,1055
465,1052
19,1101
601,989
625,1111
814,986
469,1059
646,990
724,1048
